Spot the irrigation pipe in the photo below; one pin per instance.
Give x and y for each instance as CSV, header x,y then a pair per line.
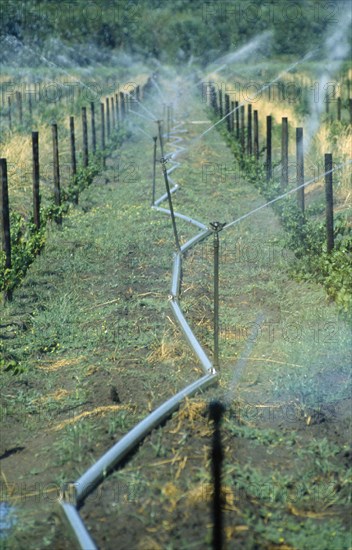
x,y
176,275
70,513
192,340
96,473
181,216
76,492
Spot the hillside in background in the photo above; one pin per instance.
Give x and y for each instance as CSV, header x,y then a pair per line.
x,y
173,31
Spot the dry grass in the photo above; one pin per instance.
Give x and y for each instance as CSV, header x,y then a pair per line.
x,y
193,412
18,152
98,411
61,363
335,139
166,349
17,145
341,149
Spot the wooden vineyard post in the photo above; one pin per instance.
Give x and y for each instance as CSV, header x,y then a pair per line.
x,y
102,133
339,108
329,203
232,117
214,101
117,108
300,168
113,117
284,153
221,111
242,130
36,194
5,222
249,129
138,96
268,149
56,166
256,135
122,105
94,133
108,129
73,146
73,156
237,113
227,112
85,137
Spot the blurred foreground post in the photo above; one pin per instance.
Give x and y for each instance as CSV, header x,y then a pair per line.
x,y
216,411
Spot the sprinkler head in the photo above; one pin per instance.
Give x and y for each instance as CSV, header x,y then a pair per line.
x,y
217,226
163,161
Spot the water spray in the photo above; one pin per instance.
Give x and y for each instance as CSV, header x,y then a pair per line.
x,y
158,88
142,116
313,180
264,87
143,107
143,131
242,362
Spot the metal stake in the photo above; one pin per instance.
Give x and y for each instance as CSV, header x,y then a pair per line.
x,y
160,137
154,169
216,228
163,163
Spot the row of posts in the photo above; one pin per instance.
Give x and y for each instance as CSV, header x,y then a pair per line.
x,y
245,128
113,111
123,103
